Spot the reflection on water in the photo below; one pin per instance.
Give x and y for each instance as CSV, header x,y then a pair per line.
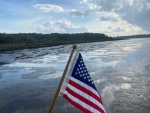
x,y
125,86
108,92
120,70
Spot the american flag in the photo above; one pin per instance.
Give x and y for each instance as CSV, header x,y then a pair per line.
x,y
79,89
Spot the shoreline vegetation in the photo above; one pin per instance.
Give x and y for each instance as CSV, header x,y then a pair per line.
x,y
19,41
132,36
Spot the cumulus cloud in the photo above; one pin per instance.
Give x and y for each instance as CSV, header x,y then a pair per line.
x,y
55,8
49,7
65,26
136,12
40,27
112,19
107,5
61,26
117,29
76,13
103,5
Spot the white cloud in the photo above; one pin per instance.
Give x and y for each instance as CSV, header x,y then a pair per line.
x,y
103,5
55,8
40,27
148,5
87,2
121,27
136,12
60,26
84,1
116,29
108,18
76,13
49,7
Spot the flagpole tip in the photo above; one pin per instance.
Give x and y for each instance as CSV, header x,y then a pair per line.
x,y
74,46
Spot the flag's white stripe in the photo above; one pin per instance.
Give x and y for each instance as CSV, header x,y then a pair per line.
x,y
88,97
86,106
85,86
69,72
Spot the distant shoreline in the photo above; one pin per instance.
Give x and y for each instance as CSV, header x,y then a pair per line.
x,y
10,47
9,42
132,36
20,41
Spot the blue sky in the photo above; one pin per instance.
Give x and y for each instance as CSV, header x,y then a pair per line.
x,y
111,17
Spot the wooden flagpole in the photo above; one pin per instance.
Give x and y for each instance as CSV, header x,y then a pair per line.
x,y
61,81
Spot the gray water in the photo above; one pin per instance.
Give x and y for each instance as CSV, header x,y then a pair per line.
x,y
120,70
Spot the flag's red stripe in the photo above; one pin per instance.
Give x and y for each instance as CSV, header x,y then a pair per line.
x,y
76,104
84,99
78,86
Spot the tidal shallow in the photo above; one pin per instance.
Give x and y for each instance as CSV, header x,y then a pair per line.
x,y
120,70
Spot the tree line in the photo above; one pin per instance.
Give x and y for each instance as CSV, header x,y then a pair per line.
x,y
29,40
133,36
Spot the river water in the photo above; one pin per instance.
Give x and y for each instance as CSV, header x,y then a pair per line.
x,y
120,70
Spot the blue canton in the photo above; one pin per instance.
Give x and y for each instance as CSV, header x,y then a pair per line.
x,y
80,72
